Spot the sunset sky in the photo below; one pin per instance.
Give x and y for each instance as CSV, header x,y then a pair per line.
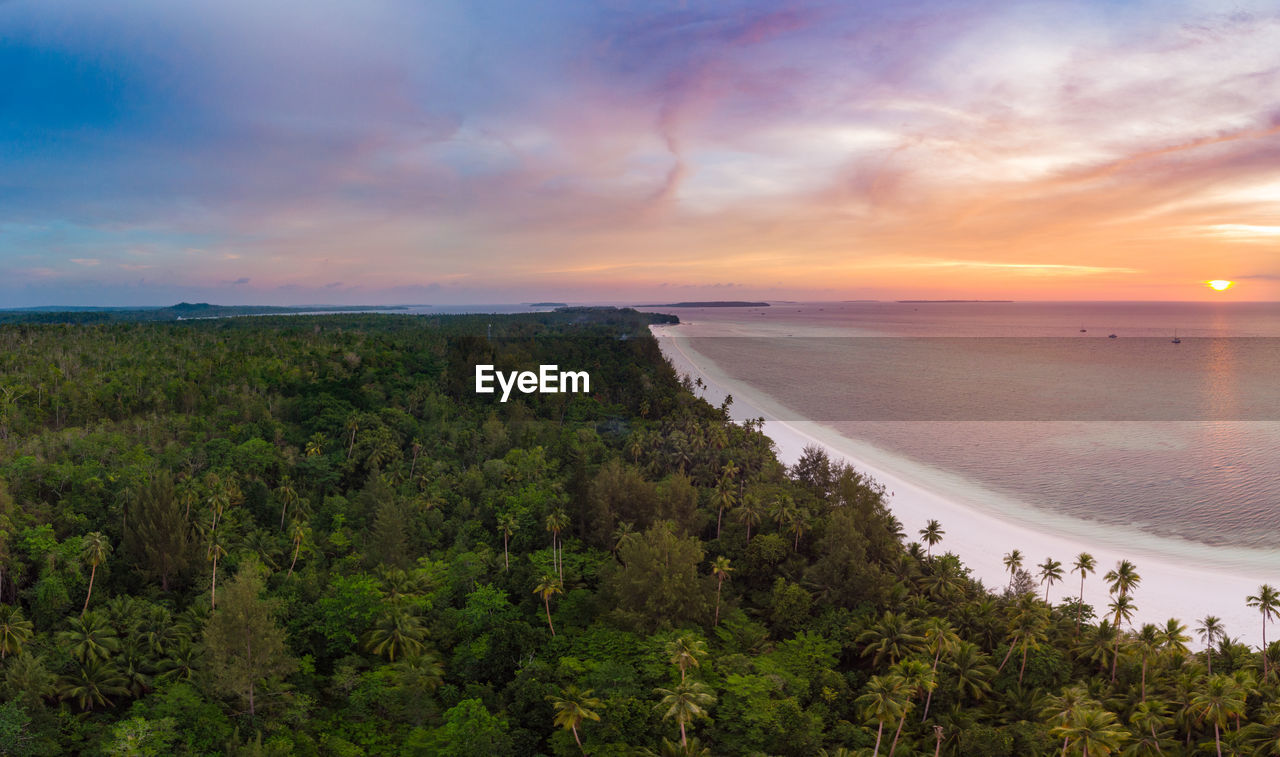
x,y
472,152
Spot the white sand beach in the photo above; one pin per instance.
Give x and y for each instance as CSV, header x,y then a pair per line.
x,y
1179,579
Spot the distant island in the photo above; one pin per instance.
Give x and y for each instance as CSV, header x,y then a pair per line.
x,y
711,304
916,302
547,304
859,300
180,312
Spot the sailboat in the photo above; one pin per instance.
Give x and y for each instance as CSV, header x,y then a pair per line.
x,y
1175,339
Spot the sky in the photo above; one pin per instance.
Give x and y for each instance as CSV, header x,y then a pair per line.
x,y
461,152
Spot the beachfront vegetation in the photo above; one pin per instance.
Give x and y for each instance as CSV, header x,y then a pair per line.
x,y
307,535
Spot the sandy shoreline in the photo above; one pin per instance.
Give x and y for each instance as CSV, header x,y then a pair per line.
x,y
1173,585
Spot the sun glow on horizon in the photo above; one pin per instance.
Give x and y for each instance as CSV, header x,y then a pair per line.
x,y
1219,285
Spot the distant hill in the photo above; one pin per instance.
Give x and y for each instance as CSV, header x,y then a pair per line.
x,y
918,302
547,304
180,312
711,304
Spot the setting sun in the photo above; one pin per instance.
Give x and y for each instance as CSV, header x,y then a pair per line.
x,y
1219,284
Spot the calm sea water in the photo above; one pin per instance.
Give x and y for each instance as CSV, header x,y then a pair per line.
x,y
1179,440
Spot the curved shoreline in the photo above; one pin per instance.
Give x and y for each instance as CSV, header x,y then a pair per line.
x,y
1173,585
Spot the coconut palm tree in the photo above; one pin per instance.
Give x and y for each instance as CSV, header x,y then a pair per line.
x,y
1084,565
1148,643
93,684
1150,719
918,679
288,497
750,512
557,521
972,673
939,637
94,548
726,496
15,630
1050,574
1123,579
507,526
931,535
1218,702
892,638
685,651
548,586
1267,600
299,534
1209,630
720,569
398,633
1012,563
215,552
885,700
1124,608
90,638
1094,730
1062,709
572,707
684,704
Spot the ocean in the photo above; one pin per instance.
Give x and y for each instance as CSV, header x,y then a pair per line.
x,y
1033,411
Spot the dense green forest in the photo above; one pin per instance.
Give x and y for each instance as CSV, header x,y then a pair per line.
x,y
308,535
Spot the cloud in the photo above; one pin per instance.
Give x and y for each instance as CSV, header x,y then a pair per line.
x,y
239,281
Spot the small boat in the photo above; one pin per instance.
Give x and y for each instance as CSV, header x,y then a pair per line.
x,y
1083,330
1111,336
1175,339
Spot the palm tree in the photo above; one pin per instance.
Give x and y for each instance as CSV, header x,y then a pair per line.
x,y
972,673
215,552
507,525
1063,709
94,548
1150,717
685,703
1123,579
548,586
1148,642
557,521
398,633
749,512
92,684
1173,638
299,535
726,495
1095,730
1084,565
1219,701
90,638
721,570
917,678
1267,600
931,534
572,707
886,700
15,630
1012,563
1050,574
1123,607
685,651
939,636
892,638
287,495
1209,630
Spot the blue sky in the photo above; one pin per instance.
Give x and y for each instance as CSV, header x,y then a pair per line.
x,y
382,152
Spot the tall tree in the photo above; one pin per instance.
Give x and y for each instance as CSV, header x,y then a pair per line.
x,y
15,630
1210,629
720,569
684,704
1084,565
1267,600
159,536
548,586
572,707
1012,563
243,643
94,549
931,535
1050,573
507,526
885,700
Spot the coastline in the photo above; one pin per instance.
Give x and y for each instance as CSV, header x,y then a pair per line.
x,y
1173,585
